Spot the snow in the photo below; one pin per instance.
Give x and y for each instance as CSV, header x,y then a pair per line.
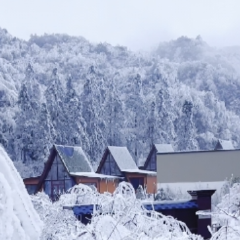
x,y
140,171
81,152
186,186
78,160
130,219
163,148
180,189
93,175
123,158
18,218
225,144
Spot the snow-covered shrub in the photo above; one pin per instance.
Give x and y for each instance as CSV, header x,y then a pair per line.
x,y
227,215
59,223
120,216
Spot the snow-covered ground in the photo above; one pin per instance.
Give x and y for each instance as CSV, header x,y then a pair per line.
x,y
18,218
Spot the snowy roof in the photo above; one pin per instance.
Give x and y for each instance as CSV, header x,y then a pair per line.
x,y
122,158
224,145
140,171
163,148
74,159
92,175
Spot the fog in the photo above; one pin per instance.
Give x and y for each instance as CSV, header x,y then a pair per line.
x,y
137,24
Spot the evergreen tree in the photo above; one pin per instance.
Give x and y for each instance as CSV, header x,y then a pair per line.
x,y
186,131
92,111
55,104
136,125
164,125
114,116
75,122
25,125
44,134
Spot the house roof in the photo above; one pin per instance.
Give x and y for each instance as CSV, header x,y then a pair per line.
x,y
224,145
160,148
74,159
93,175
32,178
163,148
140,171
122,158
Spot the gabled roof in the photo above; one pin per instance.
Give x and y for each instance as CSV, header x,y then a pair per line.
x,y
163,148
74,159
159,148
224,145
122,158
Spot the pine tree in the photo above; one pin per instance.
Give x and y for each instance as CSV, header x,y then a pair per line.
x,y
25,124
186,130
164,125
75,122
55,104
92,111
136,122
44,134
114,116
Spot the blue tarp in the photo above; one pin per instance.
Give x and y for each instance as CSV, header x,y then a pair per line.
x,y
169,206
83,209
88,209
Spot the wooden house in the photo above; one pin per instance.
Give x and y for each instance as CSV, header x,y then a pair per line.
x,y
151,161
67,166
117,161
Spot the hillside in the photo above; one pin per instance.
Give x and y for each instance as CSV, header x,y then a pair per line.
x,y
66,90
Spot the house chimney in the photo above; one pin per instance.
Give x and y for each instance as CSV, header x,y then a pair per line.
x,y
204,201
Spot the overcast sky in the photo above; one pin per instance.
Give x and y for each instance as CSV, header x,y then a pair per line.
x,y
137,24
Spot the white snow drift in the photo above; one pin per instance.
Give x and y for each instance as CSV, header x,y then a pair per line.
x,y
18,218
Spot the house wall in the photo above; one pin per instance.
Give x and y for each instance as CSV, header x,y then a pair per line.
x,y
30,181
88,181
101,184
209,166
108,186
151,184
136,175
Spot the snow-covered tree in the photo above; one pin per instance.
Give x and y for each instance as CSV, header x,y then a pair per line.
x,y
186,129
55,104
92,111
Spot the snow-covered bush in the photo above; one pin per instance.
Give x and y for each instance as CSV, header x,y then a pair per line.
x,y
59,223
227,215
119,216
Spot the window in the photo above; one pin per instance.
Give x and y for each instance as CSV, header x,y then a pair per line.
x,y
110,167
152,163
58,180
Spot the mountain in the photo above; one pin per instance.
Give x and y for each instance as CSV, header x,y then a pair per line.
x,y
66,90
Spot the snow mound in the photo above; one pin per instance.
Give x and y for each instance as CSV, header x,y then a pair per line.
x,y
18,218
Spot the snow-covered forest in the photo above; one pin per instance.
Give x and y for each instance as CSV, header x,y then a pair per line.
x,y
66,90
